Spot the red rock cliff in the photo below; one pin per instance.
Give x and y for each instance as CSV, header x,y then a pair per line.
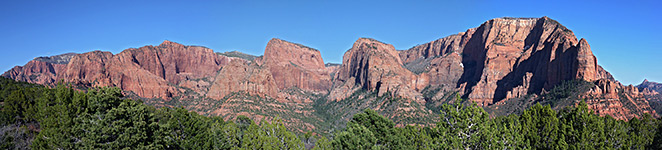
x,y
148,71
295,65
374,66
491,63
502,59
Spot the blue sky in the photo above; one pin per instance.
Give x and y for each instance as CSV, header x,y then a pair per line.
x,y
624,36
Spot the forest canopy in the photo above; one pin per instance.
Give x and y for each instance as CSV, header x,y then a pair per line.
x,y
38,117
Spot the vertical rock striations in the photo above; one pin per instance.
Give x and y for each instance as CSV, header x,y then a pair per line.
x,y
295,65
375,66
508,58
149,71
241,76
502,62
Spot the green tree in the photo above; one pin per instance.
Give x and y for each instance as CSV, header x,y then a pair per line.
x,y
15,105
583,129
380,126
186,129
270,136
354,137
541,127
224,136
411,137
507,133
642,131
462,126
323,144
616,132
56,119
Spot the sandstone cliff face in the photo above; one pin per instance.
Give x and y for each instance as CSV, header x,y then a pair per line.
x,y
175,62
41,70
439,62
241,76
295,65
503,53
501,60
36,72
375,66
610,97
507,58
148,71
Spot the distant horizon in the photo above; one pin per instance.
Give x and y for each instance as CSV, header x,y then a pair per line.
x,y
615,31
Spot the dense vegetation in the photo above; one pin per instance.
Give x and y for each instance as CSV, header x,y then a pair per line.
x,y
37,117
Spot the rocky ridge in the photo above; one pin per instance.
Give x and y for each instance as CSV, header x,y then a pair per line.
x,y
504,62
650,86
507,58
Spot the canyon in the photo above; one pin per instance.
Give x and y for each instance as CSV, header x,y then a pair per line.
x,y
503,65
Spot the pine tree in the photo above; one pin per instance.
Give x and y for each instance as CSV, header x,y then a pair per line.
x,y
462,126
380,126
355,137
540,127
323,144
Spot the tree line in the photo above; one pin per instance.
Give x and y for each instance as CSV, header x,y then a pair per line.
x,y
37,117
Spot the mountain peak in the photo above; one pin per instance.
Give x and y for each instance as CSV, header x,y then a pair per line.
x,y
652,85
57,59
282,51
527,22
368,40
291,63
277,41
521,18
167,42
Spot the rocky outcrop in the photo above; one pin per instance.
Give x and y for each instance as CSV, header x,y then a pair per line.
x,y
650,86
501,60
57,59
506,58
375,66
439,62
241,76
41,70
296,65
502,52
88,69
149,71
175,62
238,54
609,97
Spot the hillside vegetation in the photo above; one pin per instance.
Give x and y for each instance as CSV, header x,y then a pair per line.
x,y
33,116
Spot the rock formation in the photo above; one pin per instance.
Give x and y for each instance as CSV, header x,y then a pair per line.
x,y
650,87
295,65
240,76
501,60
149,71
41,70
375,66
507,58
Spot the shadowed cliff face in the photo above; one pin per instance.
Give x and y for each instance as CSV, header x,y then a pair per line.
x,y
374,66
500,60
508,58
